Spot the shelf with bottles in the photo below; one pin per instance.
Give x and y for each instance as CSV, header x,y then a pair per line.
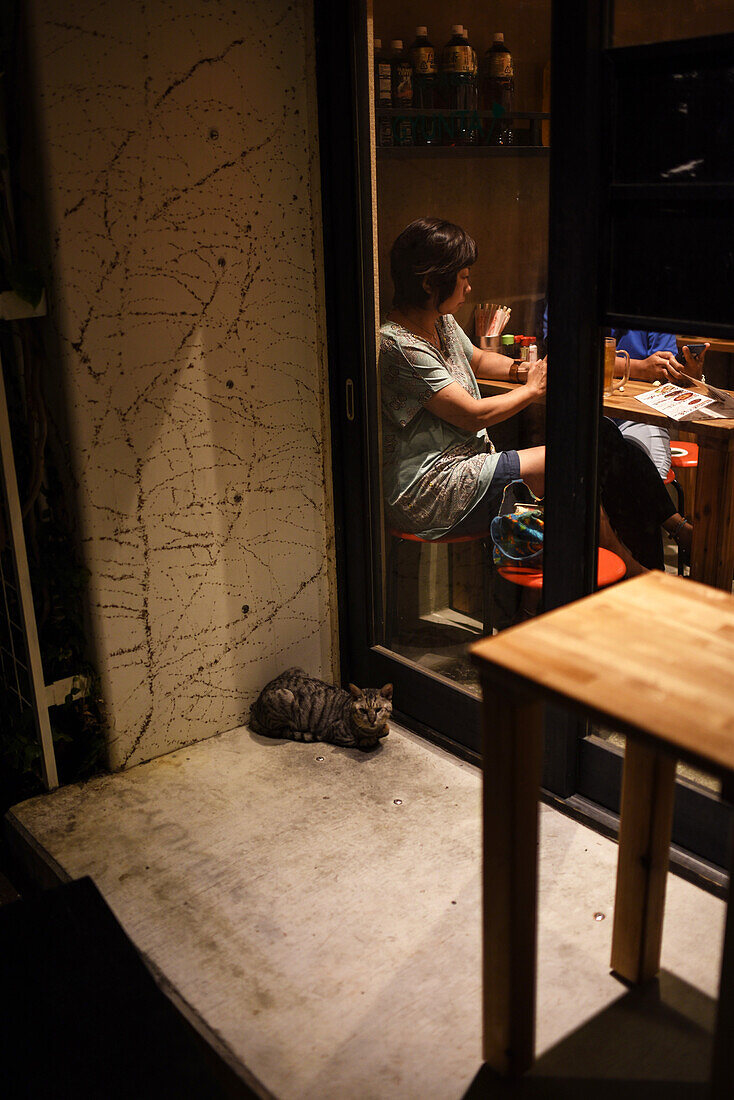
x,y
439,132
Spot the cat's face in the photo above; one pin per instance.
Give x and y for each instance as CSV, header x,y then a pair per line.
x,y
371,709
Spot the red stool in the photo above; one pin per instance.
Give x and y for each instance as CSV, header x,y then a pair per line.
x,y
398,537
610,568
683,454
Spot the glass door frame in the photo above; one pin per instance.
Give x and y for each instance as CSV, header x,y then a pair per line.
x,y
426,703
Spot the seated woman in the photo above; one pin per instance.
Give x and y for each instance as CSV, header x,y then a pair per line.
x,y
441,474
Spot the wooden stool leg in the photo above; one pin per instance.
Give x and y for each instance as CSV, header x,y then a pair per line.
x,y
512,757
646,819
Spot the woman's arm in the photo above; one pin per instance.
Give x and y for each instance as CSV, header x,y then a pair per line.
x,y
457,407
492,365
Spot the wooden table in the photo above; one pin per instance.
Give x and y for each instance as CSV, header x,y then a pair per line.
x,y
725,346
712,552
601,656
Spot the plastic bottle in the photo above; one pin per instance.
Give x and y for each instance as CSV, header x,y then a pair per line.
x,y
383,93
423,59
402,92
498,91
454,77
527,343
469,133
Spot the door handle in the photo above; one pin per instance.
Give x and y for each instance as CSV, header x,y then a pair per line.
x,y
349,395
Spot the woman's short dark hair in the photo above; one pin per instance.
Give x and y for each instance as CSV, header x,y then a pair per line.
x,y
429,249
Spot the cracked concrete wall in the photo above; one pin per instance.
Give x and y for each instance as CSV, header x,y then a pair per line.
x,y
179,145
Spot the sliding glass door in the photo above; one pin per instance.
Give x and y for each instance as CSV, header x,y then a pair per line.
x,y
477,155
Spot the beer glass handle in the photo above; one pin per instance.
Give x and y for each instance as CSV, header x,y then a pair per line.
x,y
617,385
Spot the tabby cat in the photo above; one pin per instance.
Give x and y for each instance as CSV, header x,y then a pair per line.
x,y
302,708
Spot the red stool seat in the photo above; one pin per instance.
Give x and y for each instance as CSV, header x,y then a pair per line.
x,y
443,538
669,477
684,454
610,568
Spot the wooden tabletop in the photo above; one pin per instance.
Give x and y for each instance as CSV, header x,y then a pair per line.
x,y
727,346
624,406
653,655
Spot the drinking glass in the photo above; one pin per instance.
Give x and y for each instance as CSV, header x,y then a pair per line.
x,y
610,359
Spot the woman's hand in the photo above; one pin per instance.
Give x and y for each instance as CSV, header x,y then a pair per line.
x,y
537,376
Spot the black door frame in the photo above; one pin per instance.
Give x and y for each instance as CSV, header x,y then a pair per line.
x,y
579,35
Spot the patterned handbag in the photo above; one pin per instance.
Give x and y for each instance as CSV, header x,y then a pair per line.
x,y
517,530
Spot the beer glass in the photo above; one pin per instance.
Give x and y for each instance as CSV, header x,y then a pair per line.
x,y
610,356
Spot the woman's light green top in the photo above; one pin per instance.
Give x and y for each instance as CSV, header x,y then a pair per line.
x,y
432,471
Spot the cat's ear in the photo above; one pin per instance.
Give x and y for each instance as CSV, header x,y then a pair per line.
x,y
355,691
386,691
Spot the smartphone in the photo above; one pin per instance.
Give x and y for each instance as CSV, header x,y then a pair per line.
x,y
695,350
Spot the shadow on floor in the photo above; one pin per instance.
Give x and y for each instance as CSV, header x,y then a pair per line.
x,y
652,1043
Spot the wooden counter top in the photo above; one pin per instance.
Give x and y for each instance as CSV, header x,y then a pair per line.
x,y
624,406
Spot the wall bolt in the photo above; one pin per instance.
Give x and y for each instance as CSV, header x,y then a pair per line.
x,y
397,801
319,758
245,608
599,916
229,383
214,134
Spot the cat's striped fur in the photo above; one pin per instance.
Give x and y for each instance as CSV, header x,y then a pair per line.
x,y
302,708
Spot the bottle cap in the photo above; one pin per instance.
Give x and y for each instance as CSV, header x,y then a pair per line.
x,y
378,43
527,341
499,36
507,338
421,32
396,44
457,28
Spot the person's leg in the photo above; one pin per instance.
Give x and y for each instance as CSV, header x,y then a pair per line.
x,y
532,469
610,541
633,496
680,530
653,440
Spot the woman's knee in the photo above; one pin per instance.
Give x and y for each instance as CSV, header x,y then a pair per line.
x,y
532,468
532,460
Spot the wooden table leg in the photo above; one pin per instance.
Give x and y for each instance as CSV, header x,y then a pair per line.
x,y
646,819
712,553
512,758
722,1065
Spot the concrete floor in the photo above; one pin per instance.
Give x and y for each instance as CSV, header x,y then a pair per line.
x,y
319,910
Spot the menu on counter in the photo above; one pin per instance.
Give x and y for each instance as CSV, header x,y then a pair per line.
x,y
702,403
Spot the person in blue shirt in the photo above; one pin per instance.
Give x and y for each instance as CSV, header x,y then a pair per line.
x,y
652,359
